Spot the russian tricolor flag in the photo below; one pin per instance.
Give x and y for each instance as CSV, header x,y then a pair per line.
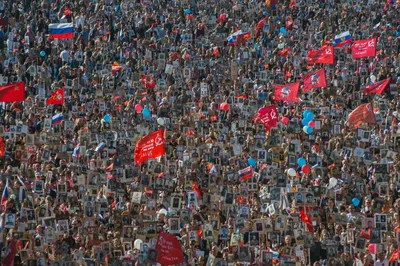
x,y
77,151
100,147
342,39
4,197
61,31
246,173
238,36
57,119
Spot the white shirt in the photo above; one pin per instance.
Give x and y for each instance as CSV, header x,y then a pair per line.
x,y
385,262
64,55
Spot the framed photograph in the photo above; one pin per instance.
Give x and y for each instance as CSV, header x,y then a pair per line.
x,y
152,256
9,220
266,258
375,236
243,254
174,225
254,239
63,226
176,203
127,246
224,233
151,228
39,187
208,231
128,232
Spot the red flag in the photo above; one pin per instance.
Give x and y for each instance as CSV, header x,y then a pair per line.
x,y
268,116
110,168
56,97
148,84
362,114
150,147
363,48
313,80
196,189
67,12
241,200
377,87
2,149
324,55
190,132
287,92
12,251
307,220
215,52
169,250
14,92
260,25
395,256
284,52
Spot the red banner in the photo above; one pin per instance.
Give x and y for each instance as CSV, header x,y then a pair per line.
x,y
313,80
284,52
14,92
56,97
363,48
149,147
307,220
377,87
2,149
287,92
362,114
268,116
324,55
169,250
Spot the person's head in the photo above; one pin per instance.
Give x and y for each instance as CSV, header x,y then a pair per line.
x,y
288,240
331,203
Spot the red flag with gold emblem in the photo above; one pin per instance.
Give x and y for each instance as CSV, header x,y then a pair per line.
x,y
324,55
56,97
362,114
14,92
307,220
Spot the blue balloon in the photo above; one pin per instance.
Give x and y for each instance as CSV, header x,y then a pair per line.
x,y
283,30
107,118
187,10
42,53
309,130
355,202
310,116
301,161
146,112
305,122
305,112
251,161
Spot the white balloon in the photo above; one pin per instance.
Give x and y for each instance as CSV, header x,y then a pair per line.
x,y
160,121
137,243
162,211
291,172
305,129
332,182
372,78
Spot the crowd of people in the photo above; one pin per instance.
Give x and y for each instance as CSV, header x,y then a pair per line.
x,y
258,167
